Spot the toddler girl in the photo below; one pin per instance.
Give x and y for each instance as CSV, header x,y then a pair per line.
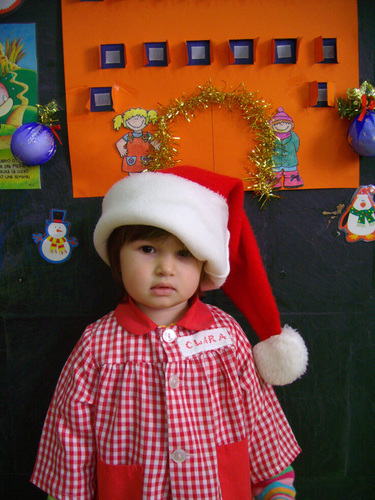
x,y
161,398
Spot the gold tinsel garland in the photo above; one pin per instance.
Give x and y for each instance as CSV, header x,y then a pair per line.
x,y
254,111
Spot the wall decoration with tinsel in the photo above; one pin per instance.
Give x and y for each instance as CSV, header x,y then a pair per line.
x,y
301,73
359,107
34,143
259,175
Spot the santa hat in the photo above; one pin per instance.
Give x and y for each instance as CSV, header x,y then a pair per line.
x,y
365,190
205,211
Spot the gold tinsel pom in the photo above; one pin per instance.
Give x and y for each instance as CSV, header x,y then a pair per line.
x,y
46,114
254,111
357,99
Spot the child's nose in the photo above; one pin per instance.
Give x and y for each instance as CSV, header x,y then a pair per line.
x,y
165,265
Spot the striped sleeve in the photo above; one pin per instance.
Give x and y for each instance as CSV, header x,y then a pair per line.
x,y
279,487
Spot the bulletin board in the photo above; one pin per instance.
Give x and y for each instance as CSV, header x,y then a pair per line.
x,y
324,286
216,138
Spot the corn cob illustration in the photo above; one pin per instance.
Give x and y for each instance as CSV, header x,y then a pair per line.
x,y
11,55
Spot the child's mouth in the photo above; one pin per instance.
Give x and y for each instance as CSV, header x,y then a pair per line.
x,y
162,289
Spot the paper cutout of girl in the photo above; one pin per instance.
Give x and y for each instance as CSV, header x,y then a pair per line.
x,y
134,146
285,154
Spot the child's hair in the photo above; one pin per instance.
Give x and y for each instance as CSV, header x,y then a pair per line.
x,y
127,234
150,116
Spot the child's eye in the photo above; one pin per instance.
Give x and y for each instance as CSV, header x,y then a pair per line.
x,y
147,249
184,253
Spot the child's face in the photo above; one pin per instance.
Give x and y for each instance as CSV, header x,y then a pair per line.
x,y
136,123
160,276
283,127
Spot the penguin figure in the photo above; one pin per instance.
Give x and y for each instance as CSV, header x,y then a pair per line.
x,y
55,246
358,221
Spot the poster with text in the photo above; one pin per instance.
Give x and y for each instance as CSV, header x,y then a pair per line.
x,y
18,99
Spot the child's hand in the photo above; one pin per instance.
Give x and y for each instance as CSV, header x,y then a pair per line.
x,y
123,152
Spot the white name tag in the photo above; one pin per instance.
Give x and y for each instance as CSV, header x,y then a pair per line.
x,y
206,340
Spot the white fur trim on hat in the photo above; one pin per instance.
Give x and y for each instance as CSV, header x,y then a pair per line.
x,y
191,212
282,358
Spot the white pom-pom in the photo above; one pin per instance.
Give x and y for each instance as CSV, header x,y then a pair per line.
x,y
282,358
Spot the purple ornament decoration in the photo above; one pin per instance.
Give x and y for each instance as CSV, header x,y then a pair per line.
x,y
361,134
33,144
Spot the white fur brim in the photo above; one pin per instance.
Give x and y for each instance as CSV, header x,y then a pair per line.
x,y
282,358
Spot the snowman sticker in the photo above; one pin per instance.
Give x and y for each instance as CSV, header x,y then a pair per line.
x,y
55,246
359,219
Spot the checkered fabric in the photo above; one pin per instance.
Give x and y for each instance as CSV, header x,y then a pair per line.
x,y
165,399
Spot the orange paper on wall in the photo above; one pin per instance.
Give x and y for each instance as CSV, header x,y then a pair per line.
x,y
215,139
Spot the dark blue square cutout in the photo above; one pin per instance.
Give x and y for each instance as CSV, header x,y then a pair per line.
x,y
156,54
285,51
101,99
112,56
198,53
329,51
242,51
322,96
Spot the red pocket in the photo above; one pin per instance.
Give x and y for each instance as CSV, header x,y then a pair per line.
x,y
234,471
119,482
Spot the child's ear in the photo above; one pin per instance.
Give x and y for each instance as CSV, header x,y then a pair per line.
x,y
202,279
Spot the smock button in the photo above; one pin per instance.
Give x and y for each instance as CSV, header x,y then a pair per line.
x,y
179,456
169,335
174,381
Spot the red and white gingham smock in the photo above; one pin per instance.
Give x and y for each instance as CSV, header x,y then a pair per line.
x,y
157,413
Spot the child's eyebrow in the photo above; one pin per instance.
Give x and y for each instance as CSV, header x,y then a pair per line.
x,y
150,241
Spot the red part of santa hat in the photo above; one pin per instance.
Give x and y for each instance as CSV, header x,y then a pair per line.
x,y
205,211
246,284
366,190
